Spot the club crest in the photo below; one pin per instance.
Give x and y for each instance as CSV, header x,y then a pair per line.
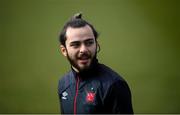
x,y
90,96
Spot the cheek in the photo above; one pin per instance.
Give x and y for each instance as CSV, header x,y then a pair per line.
x,y
72,53
93,49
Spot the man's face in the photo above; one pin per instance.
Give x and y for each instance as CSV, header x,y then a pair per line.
x,y
80,47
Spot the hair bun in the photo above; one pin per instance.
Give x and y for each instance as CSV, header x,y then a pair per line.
x,y
77,16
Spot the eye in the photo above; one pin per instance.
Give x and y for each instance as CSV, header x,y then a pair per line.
x,y
89,42
75,44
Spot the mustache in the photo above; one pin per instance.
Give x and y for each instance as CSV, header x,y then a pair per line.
x,y
84,56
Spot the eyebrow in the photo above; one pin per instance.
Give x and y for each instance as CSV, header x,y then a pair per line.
x,y
89,39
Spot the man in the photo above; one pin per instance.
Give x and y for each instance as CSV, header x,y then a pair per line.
x,y
90,87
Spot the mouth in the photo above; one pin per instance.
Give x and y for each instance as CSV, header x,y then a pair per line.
x,y
84,59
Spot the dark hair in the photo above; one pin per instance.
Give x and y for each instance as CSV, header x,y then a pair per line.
x,y
75,22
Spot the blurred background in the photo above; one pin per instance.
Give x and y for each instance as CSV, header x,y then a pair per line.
x,y
139,39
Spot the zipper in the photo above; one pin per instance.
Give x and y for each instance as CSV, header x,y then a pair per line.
x,y
75,98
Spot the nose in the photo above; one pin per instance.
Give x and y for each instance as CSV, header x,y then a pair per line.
x,y
83,48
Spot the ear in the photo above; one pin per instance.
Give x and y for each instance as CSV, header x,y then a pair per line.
x,y
63,50
98,47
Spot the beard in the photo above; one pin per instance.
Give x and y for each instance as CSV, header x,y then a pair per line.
x,y
74,61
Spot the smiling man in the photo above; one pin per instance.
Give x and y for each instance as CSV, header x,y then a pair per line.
x,y
89,87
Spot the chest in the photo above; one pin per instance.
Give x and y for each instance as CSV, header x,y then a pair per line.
x,y
82,98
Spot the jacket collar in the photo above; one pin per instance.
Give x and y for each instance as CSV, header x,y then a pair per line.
x,y
71,77
86,73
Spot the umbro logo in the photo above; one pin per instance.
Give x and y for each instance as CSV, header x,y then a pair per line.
x,y
64,95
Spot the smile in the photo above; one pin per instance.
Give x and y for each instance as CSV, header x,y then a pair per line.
x,y
84,60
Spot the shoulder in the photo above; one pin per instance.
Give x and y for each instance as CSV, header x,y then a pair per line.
x,y
108,74
64,77
108,78
64,81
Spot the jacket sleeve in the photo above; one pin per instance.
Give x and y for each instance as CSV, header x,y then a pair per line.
x,y
118,99
61,108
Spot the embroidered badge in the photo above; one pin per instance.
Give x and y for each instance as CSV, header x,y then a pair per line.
x,y
90,97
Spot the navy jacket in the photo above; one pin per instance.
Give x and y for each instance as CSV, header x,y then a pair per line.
x,y
98,90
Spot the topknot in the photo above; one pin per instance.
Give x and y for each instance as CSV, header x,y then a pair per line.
x,y
77,16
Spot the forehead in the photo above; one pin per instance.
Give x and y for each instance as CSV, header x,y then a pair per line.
x,y
79,34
